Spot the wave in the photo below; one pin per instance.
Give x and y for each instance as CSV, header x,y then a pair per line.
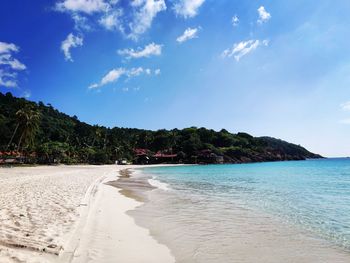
x,y
158,184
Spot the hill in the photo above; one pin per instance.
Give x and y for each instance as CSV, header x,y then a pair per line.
x,y
38,133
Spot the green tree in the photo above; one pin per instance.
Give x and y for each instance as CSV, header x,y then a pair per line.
x,y
28,122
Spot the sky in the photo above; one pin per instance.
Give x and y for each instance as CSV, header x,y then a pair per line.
x,y
276,68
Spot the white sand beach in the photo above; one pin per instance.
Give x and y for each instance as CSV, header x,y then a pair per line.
x,y
77,214
69,214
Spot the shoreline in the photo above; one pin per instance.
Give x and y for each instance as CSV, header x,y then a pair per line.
x,y
97,227
112,211
254,235
115,233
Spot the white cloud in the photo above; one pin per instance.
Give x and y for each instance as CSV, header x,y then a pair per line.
x,y
84,6
345,106
115,74
243,48
94,86
6,56
187,8
8,80
7,48
151,49
70,42
109,14
145,12
235,20
111,21
157,72
112,76
7,59
264,16
9,65
80,22
135,72
189,33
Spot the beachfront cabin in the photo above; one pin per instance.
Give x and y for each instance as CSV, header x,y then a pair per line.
x,y
142,156
161,157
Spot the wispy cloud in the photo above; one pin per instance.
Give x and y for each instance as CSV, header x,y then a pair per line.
x,y
110,77
111,20
187,8
8,48
144,13
7,79
243,48
6,56
81,23
70,42
345,106
84,6
264,16
135,72
13,63
235,20
131,19
149,50
115,74
83,13
189,33
9,66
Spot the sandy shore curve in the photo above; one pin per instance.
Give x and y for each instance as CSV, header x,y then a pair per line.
x,y
70,214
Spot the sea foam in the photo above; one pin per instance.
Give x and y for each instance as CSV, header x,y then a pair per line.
x,y
158,184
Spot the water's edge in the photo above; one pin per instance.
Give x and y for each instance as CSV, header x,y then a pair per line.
x,y
252,237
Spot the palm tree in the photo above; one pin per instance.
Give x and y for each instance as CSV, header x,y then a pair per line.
x,y
20,116
97,135
13,135
105,140
28,120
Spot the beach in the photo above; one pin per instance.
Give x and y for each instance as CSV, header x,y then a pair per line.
x,y
110,213
70,214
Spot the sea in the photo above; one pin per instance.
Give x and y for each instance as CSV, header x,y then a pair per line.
x,y
292,211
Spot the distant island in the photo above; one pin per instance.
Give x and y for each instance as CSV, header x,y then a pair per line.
x,y
38,133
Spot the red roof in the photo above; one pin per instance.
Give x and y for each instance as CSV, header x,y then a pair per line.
x,y
163,155
141,151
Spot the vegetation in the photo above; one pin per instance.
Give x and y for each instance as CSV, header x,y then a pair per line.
x,y
39,133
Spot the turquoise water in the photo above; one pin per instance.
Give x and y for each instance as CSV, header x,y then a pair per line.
x,y
313,195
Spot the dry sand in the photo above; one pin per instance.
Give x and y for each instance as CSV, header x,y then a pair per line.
x,y
70,214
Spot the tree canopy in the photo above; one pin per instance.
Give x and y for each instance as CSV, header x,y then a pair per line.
x,y
49,136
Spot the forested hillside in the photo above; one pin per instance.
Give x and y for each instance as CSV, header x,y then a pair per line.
x,y
38,133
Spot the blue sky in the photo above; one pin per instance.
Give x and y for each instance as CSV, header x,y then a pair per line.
x,y
279,68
